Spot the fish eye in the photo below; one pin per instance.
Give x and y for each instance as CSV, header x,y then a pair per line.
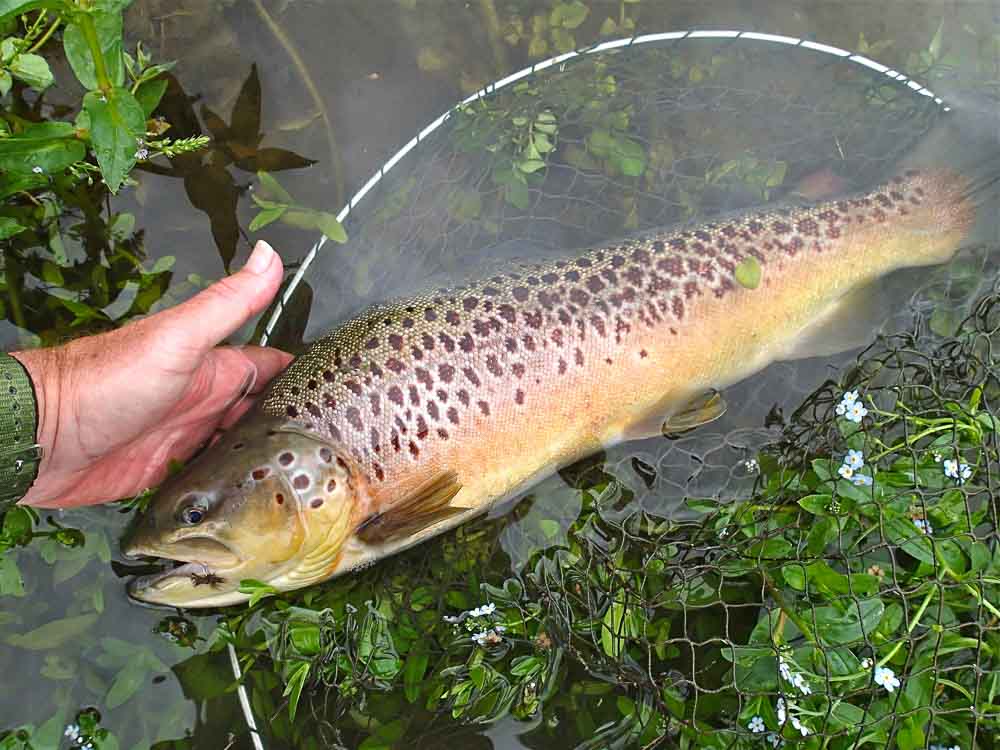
x,y
192,515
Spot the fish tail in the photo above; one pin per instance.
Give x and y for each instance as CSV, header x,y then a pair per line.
x,y
965,144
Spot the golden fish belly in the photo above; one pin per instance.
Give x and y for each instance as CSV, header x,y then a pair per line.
x,y
512,376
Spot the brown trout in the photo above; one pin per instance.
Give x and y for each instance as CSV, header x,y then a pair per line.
x,y
420,414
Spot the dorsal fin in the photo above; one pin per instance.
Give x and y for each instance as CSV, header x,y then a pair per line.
x,y
427,504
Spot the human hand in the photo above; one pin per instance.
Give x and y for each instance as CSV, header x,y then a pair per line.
x,y
115,408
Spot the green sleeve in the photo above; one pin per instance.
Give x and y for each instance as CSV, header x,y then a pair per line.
x,y
20,454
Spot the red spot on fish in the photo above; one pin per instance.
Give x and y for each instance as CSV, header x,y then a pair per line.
x,y
484,408
286,459
262,473
453,317
518,369
519,397
279,498
691,289
414,450
301,482
395,365
317,502
331,485
643,354
379,472
396,395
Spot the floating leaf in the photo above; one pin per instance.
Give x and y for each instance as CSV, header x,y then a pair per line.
x,y
748,273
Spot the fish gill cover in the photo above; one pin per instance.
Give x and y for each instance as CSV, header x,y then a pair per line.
x,y
819,568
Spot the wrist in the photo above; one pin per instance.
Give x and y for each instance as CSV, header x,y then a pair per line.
x,y
42,366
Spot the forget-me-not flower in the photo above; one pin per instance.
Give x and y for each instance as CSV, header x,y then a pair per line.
x,y
72,731
756,725
854,459
862,480
886,678
846,471
924,526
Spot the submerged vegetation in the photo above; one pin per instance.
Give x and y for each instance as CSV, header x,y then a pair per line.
x,y
846,597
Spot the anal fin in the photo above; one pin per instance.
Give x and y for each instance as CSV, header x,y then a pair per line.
x,y
849,324
666,419
426,505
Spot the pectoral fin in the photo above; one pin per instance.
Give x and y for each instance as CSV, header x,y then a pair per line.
x,y
428,504
849,324
704,408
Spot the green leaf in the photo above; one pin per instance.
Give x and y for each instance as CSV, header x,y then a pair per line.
x,y
109,37
117,124
748,273
11,583
293,690
9,227
48,146
5,82
413,673
27,67
266,217
149,94
270,186
256,589
16,7
531,165
53,634
333,229
818,505
837,627
569,15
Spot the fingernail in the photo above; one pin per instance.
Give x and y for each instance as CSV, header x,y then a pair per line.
x,y
260,259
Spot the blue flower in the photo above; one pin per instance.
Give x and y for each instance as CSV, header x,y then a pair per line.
x,y
886,678
862,480
854,459
856,412
756,725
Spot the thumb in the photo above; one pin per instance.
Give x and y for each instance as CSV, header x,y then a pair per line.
x,y
210,316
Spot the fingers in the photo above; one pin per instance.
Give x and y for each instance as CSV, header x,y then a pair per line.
x,y
210,316
269,362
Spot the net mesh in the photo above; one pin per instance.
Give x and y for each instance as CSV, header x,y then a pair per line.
x,y
790,574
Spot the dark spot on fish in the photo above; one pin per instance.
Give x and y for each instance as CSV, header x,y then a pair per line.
x,y
395,365
447,342
301,482
313,409
578,356
562,366
286,459
430,315
353,386
396,341
331,485
279,498
407,322
520,293
394,440
452,415
396,395
583,262
291,411
471,376
414,395
677,305
422,429
262,473
354,417
470,303
328,376
466,344
414,450
484,408
432,411
491,291
379,473
463,396
519,397
571,276
452,317
317,502
376,403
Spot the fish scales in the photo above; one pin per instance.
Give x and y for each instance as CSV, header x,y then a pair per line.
x,y
513,374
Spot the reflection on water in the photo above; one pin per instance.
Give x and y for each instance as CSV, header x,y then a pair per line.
x,y
710,128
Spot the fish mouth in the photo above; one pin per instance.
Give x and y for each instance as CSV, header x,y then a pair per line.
x,y
201,568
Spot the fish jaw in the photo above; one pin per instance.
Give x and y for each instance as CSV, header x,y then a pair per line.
x,y
275,503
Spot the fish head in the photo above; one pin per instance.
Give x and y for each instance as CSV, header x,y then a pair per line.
x,y
269,501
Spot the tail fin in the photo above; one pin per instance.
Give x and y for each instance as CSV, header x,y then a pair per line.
x,y
967,140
